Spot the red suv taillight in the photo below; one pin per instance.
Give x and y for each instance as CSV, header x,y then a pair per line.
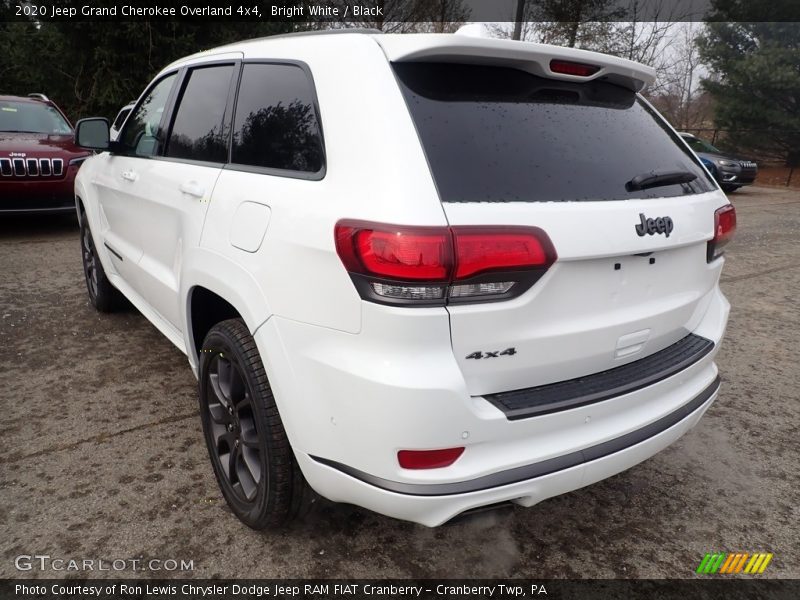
x,y
402,265
724,227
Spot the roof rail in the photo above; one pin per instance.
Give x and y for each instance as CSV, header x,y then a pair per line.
x,y
39,97
314,32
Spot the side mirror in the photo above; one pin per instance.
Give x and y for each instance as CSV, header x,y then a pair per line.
x,y
93,134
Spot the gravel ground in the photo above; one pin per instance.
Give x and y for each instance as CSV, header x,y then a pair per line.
x,y
103,458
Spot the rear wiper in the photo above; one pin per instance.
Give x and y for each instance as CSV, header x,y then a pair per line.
x,y
658,178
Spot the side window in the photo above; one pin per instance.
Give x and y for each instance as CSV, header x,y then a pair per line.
x,y
276,124
143,130
199,131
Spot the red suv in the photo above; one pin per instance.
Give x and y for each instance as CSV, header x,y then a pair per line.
x,y
38,159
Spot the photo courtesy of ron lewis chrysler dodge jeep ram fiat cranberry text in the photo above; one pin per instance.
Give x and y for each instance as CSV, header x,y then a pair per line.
x,y
454,273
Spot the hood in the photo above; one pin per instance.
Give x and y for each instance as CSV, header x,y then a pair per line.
x,y
39,144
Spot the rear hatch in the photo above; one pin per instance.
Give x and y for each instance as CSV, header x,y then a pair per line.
x,y
513,144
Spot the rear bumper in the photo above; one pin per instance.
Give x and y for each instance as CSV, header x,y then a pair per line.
x,y
349,402
434,504
538,469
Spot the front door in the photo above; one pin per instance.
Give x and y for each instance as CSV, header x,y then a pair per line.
x,y
164,194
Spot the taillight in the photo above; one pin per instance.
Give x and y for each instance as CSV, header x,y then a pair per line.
x,y
480,249
438,265
568,67
428,459
724,227
406,254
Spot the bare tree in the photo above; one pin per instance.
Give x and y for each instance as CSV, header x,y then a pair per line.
x,y
678,94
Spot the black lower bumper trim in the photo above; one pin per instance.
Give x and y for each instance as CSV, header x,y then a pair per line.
x,y
539,469
55,210
563,395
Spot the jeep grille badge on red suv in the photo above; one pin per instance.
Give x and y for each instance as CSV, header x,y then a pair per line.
x,y
31,167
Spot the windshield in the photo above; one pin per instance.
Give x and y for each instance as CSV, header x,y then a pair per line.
x,y
32,117
497,134
699,145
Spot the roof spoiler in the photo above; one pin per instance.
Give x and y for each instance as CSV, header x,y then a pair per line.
x,y
527,56
39,97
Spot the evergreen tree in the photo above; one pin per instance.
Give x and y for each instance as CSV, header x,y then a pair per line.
x,y
93,68
755,82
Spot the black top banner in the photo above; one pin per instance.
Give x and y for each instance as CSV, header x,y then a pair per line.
x,y
343,13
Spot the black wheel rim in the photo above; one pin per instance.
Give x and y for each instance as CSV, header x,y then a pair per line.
x,y
233,437
89,262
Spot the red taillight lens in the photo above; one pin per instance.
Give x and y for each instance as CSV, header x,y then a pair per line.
x,y
479,250
407,256
401,253
419,265
724,228
428,459
567,67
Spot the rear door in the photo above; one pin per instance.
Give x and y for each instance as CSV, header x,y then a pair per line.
x,y
508,147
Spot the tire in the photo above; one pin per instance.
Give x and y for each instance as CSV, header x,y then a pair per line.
x,y
729,189
103,296
252,459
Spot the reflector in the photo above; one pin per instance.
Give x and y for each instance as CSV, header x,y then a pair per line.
x,y
428,459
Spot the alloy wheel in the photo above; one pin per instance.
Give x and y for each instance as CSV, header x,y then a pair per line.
x,y
89,261
234,438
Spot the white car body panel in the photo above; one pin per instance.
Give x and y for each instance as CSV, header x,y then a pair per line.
x,y
356,381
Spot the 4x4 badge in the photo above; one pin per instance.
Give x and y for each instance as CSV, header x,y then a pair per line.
x,y
496,354
652,226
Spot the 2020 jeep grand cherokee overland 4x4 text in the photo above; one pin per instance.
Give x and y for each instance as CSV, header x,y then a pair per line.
x,y
451,273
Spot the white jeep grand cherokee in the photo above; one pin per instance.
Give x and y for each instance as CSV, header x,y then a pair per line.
x,y
417,273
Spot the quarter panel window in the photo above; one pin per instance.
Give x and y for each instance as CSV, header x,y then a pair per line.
x,y
276,124
143,129
199,131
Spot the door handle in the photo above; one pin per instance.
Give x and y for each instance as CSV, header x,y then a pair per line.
x,y
192,188
130,175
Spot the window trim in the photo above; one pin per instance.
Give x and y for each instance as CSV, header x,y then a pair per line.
x,y
127,111
227,118
287,173
118,149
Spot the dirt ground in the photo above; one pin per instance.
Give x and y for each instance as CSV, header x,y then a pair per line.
x,y
103,458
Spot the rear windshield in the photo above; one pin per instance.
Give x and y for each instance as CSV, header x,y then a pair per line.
x,y
497,134
31,117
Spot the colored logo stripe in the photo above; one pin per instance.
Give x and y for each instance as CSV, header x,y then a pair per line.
x,y
728,563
